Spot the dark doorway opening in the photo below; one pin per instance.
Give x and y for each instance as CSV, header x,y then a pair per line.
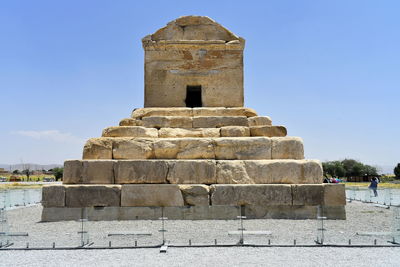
x,y
193,96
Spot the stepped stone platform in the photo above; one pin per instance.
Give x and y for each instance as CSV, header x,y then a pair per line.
x,y
193,151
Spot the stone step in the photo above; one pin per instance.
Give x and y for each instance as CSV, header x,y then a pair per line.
x,y
190,112
226,131
229,148
254,198
192,172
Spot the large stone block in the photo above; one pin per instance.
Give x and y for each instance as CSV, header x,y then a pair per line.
x,y
232,172
130,122
248,112
159,112
254,195
235,131
287,148
141,172
188,132
334,195
219,121
98,148
269,131
168,122
92,195
72,172
192,172
312,171
161,195
98,172
195,194
133,148
259,121
184,148
274,171
130,131
53,196
308,194
243,148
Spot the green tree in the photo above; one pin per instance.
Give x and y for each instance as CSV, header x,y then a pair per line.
x,y
15,172
370,170
28,173
58,173
397,171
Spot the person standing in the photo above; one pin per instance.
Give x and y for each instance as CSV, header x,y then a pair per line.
x,y
374,186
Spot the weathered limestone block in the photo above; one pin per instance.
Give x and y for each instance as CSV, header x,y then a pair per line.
x,y
159,112
141,172
265,172
334,195
312,171
98,172
269,131
53,196
287,148
308,194
235,131
217,122
130,131
192,172
98,148
263,195
72,172
193,132
133,148
213,112
274,171
260,121
195,194
184,148
161,195
130,122
92,195
167,122
243,148
232,172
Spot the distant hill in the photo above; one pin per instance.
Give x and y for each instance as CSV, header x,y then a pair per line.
x,y
32,166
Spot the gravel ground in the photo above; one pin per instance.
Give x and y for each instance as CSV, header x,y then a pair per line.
x,y
360,218
234,256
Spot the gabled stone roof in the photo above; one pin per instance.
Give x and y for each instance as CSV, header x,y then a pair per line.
x,y
189,28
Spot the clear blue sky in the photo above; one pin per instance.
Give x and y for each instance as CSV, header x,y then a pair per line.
x,y
327,70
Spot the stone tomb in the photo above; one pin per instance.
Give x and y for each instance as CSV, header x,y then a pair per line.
x,y
193,150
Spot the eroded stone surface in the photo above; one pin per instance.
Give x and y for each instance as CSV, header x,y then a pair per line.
x,y
195,194
159,112
192,172
189,132
256,195
184,148
53,196
92,195
287,148
160,195
260,121
167,122
213,112
269,131
243,148
334,195
217,122
235,131
98,172
133,148
72,173
130,131
98,148
308,194
130,122
141,172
